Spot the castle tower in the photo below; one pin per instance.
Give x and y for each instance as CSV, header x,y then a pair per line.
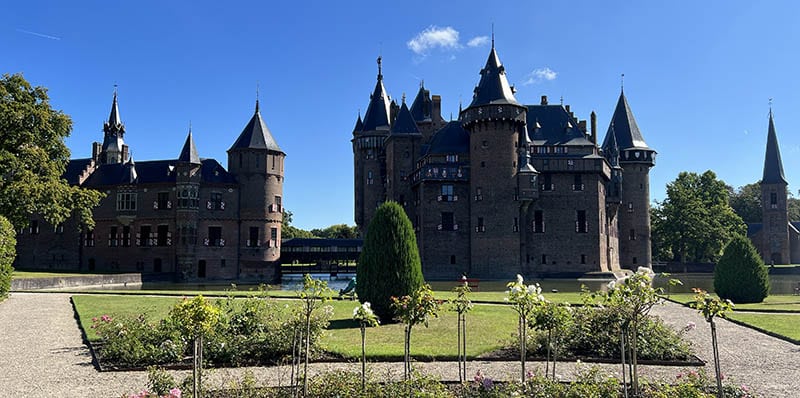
x,y
775,247
635,159
496,124
257,162
402,149
427,113
369,155
113,149
187,185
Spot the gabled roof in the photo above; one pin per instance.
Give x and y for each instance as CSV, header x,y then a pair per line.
x,y
74,169
553,125
493,88
404,124
625,129
422,107
189,151
773,166
378,111
148,172
450,139
256,135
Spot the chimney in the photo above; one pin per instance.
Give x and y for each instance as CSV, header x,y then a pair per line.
x,y
582,126
436,112
96,151
124,153
544,100
594,127
567,108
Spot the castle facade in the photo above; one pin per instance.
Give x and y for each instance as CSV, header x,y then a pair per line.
x,y
508,188
188,218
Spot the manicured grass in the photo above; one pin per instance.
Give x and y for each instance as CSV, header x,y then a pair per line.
x,y
778,302
489,327
783,324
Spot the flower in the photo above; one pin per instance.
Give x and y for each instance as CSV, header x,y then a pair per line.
x,y
690,326
175,393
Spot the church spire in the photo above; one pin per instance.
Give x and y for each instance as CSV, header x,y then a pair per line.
x,y
773,166
114,123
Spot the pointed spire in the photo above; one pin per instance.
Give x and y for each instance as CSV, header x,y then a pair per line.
x,y
359,124
131,175
404,123
189,151
493,88
625,130
257,110
773,166
422,106
114,123
378,114
256,135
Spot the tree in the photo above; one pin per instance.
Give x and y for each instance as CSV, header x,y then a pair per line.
x,y
695,221
711,307
414,309
389,264
336,231
524,300
741,275
33,157
196,318
288,231
746,202
8,242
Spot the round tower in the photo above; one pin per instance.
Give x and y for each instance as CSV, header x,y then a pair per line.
x,y
496,124
257,162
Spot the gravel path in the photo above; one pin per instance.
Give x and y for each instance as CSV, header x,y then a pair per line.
x,y
42,354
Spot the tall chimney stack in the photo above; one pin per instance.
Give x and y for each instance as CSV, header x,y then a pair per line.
x,y
594,127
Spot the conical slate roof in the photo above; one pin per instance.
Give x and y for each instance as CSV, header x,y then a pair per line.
x,y
773,166
493,87
422,106
189,151
404,123
624,128
114,123
359,125
256,135
378,114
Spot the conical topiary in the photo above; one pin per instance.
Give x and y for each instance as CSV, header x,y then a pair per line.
x,y
389,264
740,275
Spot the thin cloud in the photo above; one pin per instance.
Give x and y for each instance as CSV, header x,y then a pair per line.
x,y
540,75
38,34
434,37
478,41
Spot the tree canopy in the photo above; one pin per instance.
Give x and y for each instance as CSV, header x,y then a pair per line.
x,y
33,157
695,221
336,231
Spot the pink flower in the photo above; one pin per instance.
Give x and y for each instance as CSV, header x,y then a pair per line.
x,y
175,393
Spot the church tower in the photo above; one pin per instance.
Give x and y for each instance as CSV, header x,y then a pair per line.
x,y
496,125
635,159
775,248
369,155
257,162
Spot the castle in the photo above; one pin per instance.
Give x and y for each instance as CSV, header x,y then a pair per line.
x,y
187,219
507,188
776,238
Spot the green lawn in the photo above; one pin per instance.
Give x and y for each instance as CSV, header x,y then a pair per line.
x,y
783,324
489,327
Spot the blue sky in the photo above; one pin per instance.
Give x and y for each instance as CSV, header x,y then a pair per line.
x,y
698,74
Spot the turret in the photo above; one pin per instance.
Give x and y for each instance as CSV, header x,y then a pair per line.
x,y
187,208
113,149
775,248
369,154
402,150
635,159
427,113
257,162
496,124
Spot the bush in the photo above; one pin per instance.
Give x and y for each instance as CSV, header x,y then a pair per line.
x,y
389,264
740,275
8,243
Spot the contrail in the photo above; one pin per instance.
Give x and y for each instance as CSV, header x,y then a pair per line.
x,y
38,34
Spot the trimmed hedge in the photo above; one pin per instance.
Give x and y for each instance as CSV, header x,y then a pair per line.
x,y
740,275
389,264
8,243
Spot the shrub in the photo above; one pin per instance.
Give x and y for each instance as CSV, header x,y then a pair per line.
x,y
740,275
389,264
8,243
133,341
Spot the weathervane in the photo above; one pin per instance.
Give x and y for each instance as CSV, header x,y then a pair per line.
x,y
622,82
